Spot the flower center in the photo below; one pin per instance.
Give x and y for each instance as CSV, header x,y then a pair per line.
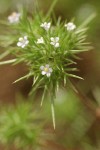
x,y
46,69
14,14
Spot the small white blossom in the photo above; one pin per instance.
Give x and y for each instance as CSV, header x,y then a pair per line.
x,y
46,25
14,17
40,40
70,26
46,70
23,41
55,41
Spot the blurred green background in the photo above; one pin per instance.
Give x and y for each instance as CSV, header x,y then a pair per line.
x,y
77,115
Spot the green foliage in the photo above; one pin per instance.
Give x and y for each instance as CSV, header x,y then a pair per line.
x,y
18,126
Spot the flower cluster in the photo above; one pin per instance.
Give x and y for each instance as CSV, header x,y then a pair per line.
x,y
48,49
54,41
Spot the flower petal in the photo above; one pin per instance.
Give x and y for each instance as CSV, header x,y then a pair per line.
x,y
50,70
48,74
52,39
52,43
19,44
25,37
26,42
40,40
47,66
65,25
57,45
20,39
43,72
23,45
42,67
57,39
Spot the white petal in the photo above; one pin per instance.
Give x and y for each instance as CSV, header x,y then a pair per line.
x,y
40,41
70,24
43,72
18,14
48,74
47,66
48,25
20,39
23,45
16,19
19,44
57,39
10,18
74,26
52,43
65,25
26,42
25,37
57,45
41,25
46,28
50,70
42,67
52,39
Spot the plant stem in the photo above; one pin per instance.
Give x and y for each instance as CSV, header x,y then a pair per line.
x,y
7,62
84,99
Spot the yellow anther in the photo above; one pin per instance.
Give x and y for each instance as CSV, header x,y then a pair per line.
x,y
46,69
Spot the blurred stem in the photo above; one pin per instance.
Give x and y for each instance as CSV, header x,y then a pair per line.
x,y
51,8
53,115
52,97
88,20
43,96
4,54
7,62
84,99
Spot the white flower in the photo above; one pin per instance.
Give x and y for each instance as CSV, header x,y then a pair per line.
x,y
70,26
14,17
46,25
23,41
40,40
46,70
55,41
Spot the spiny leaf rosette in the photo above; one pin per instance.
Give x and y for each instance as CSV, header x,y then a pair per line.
x,y
18,127
48,48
